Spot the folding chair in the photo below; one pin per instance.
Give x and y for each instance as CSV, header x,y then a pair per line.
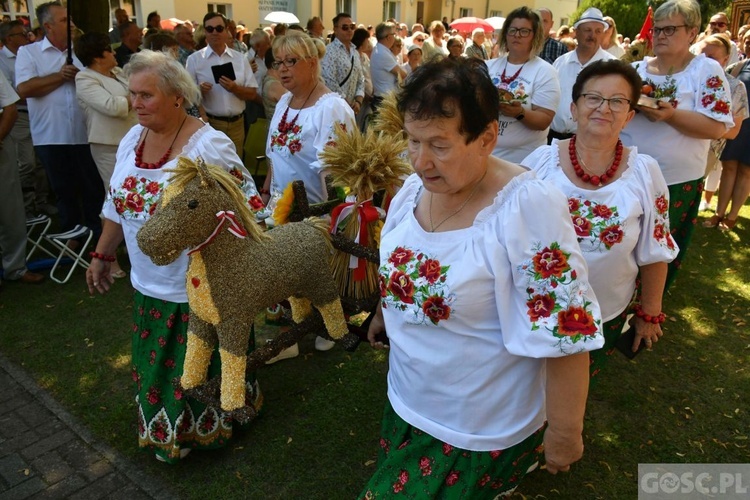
x,y
41,222
60,241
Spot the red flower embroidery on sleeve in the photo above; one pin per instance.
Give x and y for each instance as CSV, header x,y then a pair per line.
x,y
574,321
550,262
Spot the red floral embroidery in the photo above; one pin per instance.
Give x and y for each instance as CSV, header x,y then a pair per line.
x,y
255,202
573,205
582,226
130,183
402,286
436,309
714,82
540,306
721,107
153,395
611,236
134,202
574,321
430,270
550,262
662,206
403,477
447,449
152,187
707,100
659,231
602,211
400,256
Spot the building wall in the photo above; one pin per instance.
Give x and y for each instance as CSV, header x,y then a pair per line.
x,y
363,11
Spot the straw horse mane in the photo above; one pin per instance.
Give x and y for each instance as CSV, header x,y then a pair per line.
x,y
186,170
236,270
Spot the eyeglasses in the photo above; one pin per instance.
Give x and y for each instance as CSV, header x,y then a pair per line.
x,y
520,32
218,29
718,24
419,39
347,27
616,104
288,62
667,30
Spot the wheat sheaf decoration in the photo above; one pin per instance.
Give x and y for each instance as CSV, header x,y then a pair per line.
x,y
389,120
365,164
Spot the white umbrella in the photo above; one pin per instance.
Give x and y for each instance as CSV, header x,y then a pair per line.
x,y
282,17
496,22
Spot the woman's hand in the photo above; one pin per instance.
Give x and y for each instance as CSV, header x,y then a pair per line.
x,y
512,109
98,277
647,331
664,113
377,326
561,450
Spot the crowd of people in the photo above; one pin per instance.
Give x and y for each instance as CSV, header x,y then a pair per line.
x,y
498,125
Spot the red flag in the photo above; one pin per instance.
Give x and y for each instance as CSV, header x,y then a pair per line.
x,y
648,24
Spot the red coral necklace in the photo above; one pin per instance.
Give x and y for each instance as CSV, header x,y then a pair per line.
x,y
509,79
596,180
285,127
164,159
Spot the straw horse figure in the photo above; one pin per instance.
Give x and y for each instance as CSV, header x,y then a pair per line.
x,y
236,270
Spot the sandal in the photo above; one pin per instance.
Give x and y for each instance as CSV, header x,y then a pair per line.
x,y
727,224
714,221
119,274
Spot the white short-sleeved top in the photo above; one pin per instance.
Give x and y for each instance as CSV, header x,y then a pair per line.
x,y
382,61
219,101
568,67
134,194
8,96
294,153
55,118
701,87
472,313
536,85
620,226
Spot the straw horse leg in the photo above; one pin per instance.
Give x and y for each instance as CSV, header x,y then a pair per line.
x,y
200,344
333,317
234,336
301,308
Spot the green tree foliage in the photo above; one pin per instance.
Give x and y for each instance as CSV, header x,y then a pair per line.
x,y
629,15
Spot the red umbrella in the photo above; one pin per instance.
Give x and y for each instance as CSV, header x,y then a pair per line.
x,y
469,24
171,23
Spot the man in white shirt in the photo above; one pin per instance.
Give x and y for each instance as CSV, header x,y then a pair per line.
x,y
384,66
589,34
719,23
58,127
12,219
223,100
33,178
341,66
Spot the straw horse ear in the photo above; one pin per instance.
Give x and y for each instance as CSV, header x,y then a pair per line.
x,y
202,168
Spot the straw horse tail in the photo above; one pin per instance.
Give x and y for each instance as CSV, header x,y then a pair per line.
x,y
322,226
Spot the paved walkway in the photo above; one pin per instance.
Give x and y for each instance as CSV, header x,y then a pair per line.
x,y
46,453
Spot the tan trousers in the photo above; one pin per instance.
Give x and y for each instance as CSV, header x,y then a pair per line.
x,y
234,130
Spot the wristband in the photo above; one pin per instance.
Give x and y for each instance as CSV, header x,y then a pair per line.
x,y
660,318
101,256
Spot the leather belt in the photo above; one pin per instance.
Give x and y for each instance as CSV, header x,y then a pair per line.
x,y
228,119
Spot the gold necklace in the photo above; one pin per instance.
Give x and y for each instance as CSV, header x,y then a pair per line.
x,y
471,195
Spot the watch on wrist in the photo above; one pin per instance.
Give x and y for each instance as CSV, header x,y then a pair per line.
x,y
520,116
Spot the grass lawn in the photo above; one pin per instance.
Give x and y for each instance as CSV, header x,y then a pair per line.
x,y
318,434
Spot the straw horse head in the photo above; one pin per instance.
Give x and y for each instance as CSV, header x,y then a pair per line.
x,y
236,270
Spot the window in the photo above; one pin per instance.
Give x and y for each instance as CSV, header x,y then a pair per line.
x,y
391,10
23,10
464,12
564,21
221,8
348,6
127,5
496,13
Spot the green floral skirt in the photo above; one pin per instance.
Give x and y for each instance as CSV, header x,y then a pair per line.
x,y
684,201
168,421
413,464
612,330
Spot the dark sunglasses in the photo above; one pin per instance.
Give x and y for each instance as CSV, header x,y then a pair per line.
x,y
719,24
218,29
347,27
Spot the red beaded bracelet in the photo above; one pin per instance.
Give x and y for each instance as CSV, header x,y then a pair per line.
x,y
101,256
660,318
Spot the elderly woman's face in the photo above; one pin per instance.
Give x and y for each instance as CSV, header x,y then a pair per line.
x,y
154,108
440,155
455,48
294,72
678,41
602,121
